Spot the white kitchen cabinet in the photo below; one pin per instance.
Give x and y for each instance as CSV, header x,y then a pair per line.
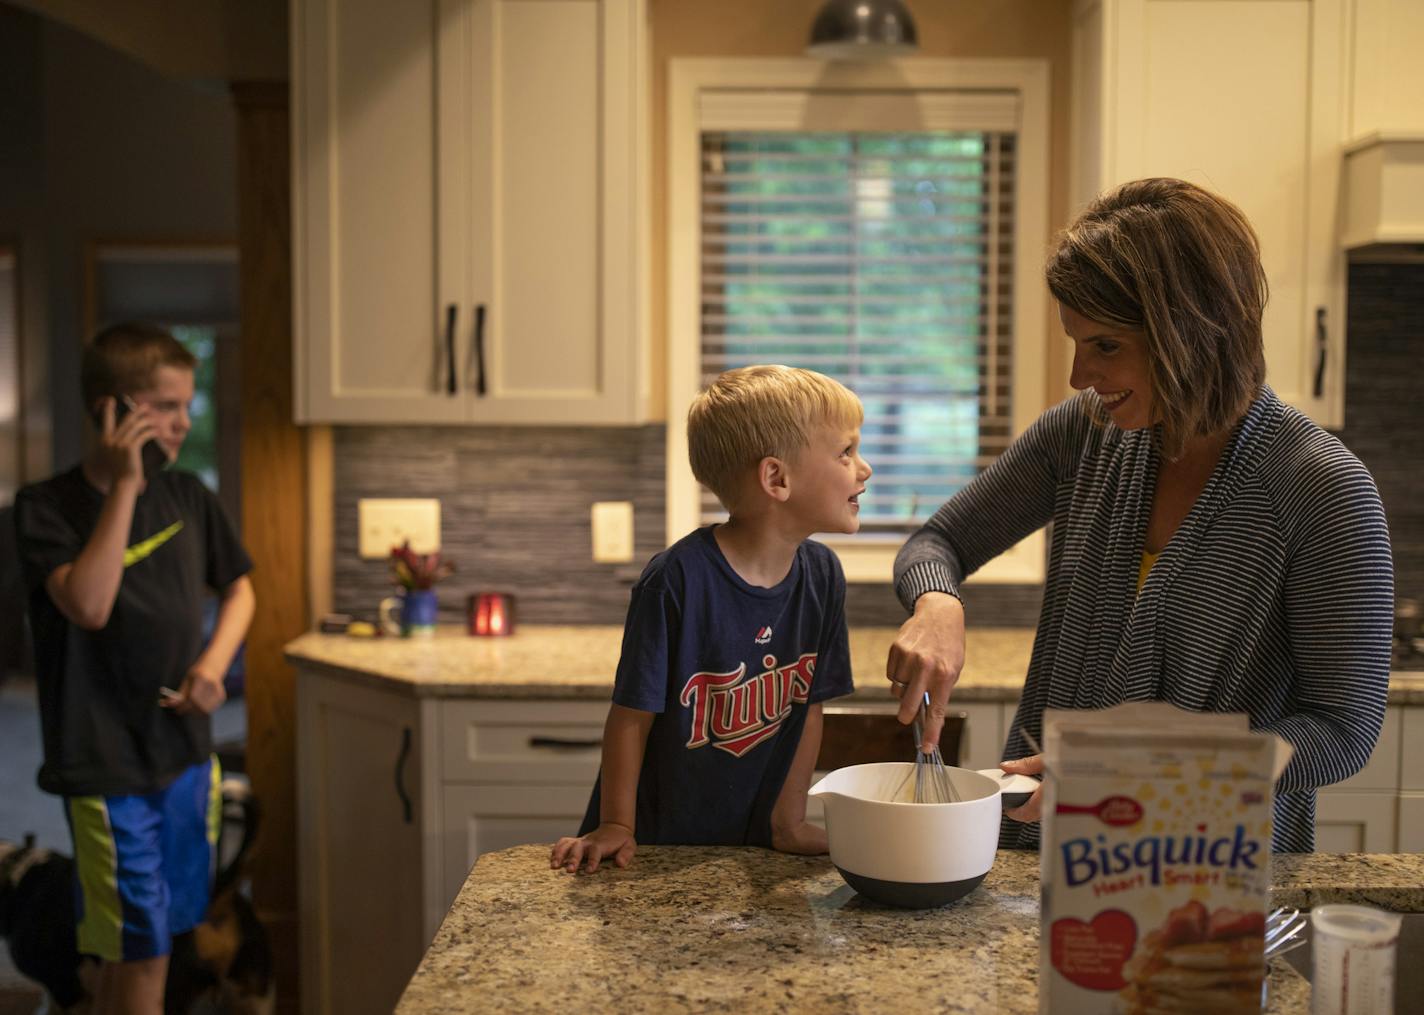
x,y
1411,758
981,745
514,772
1411,822
1387,76
1356,822
398,796
1246,98
1411,781
1361,814
469,211
368,844
482,819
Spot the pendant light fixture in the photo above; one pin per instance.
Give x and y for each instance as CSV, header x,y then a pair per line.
x,y
862,30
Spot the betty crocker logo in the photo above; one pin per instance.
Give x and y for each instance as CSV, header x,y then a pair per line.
x,y
734,715
1115,810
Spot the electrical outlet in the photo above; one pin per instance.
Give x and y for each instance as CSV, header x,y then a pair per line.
x,y
387,523
612,524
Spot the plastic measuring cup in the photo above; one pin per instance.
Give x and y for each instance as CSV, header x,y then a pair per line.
x,y
1353,950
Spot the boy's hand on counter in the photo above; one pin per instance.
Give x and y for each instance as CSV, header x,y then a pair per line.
x,y
805,838
607,840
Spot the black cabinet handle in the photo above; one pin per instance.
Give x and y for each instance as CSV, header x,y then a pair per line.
x,y
560,744
400,777
478,349
451,383
1321,344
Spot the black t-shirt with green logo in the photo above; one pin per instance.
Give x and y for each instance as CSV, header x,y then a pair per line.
x,y
104,732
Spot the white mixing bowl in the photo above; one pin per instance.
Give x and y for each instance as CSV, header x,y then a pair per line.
x,y
893,850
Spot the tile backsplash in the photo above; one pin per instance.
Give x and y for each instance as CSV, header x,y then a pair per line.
x,y
1384,402
515,500
514,512
515,518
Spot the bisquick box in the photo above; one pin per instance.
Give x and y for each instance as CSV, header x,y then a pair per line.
x,y
1156,850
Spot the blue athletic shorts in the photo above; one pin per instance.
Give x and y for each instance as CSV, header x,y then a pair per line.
x,y
144,864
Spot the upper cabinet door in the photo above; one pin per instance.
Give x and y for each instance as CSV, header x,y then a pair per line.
x,y
1245,98
470,211
371,276
556,213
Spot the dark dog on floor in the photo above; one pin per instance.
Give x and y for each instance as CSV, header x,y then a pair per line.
x,y
225,963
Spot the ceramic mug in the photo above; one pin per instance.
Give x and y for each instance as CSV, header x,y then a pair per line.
x,y
410,614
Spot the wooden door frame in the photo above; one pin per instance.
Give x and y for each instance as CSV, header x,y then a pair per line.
x,y
11,244
274,507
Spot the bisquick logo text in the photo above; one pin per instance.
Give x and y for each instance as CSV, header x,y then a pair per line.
x,y
1086,859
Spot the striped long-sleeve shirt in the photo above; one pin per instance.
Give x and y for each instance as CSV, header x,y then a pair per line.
x,y
1274,597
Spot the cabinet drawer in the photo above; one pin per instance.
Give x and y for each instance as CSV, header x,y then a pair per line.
x,y
1411,823
1411,761
1348,822
522,741
1382,770
480,819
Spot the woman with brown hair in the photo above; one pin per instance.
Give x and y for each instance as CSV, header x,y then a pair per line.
x,y
1211,546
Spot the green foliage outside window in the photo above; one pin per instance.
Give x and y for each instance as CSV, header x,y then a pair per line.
x,y
200,449
863,256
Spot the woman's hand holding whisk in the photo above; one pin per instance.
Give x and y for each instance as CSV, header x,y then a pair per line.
x,y
927,655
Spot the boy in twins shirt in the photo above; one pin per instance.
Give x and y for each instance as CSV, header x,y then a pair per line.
x,y
736,633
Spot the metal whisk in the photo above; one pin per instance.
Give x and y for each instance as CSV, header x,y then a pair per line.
x,y
932,782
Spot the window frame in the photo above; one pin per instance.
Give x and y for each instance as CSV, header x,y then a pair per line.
x,y
227,397
864,558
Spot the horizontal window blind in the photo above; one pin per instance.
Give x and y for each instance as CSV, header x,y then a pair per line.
x,y
883,260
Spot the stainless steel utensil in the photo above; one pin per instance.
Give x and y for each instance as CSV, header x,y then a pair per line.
x,y
1284,928
932,783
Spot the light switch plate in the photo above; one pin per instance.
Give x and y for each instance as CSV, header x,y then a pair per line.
x,y
386,523
612,524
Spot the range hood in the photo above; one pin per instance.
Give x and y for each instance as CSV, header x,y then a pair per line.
x,y
1383,183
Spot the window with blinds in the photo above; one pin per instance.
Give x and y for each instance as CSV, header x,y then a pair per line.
x,y
883,260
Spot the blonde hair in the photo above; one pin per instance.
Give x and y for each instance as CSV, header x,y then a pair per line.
x,y
123,358
757,412
1183,266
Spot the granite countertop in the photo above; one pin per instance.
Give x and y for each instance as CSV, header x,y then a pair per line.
x,y
579,662
717,929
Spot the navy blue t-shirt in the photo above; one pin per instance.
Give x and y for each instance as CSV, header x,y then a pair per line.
x,y
730,669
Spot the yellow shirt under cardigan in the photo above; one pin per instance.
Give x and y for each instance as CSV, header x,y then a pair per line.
x,y
1148,559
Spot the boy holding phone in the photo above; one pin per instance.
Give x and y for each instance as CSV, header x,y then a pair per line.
x,y
116,560
153,455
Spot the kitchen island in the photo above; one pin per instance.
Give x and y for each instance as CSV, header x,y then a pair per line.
x,y
447,748
717,929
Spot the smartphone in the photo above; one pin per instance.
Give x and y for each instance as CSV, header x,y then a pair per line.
x,y
155,459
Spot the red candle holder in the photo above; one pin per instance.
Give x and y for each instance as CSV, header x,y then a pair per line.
x,y
491,614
